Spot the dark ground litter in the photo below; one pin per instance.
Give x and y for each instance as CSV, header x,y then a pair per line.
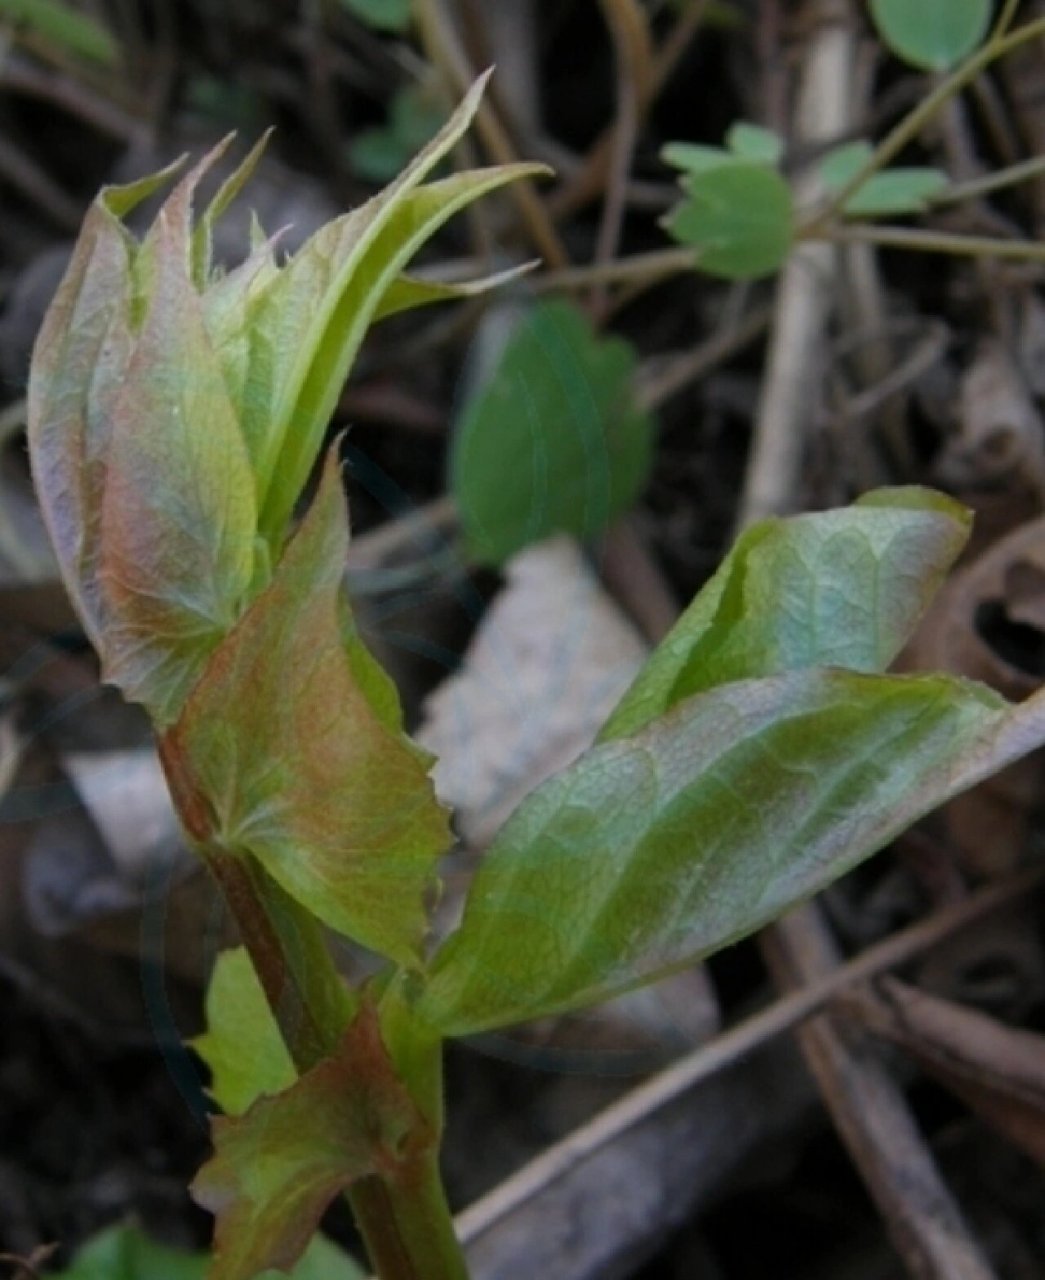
x,y
97,1125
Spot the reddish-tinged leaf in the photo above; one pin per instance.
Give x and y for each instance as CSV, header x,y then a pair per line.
x,y
279,752
276,1168
178,509
80,358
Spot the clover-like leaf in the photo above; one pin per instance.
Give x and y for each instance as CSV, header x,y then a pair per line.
x,y
342,815
277,1167
834,588
934,34
554,441
739,216
755,142
654,850
899,190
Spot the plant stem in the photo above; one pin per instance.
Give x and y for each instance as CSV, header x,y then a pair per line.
x,y
402,1212
925,241
913,123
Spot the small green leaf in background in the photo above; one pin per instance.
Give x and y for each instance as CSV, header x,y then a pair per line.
x,y
386,15
754,142
932,34
745,143
413,119
126,1253
63,26
900,190
554,442
738,216
242,1045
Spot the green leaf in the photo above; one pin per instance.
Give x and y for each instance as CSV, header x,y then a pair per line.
x,y
695,157
86,330
554,441
276,1168
386,15
835,588
125,1253
933,34
890,191
309,324
657,849
178,514
342,815
753,142
739,217
242,1045
63,26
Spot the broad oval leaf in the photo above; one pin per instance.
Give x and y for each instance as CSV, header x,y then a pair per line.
x,y
655,850
554,442
739,216
934,34
279,753
837,588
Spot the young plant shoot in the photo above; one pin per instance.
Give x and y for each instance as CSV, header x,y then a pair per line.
x,y
176,415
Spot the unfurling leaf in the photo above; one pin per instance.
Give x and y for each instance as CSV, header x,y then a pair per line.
x,y
175,413
554,442
656,849
278,754
835,588
277,1167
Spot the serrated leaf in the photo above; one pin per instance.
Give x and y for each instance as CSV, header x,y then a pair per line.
x,y
933,34
85,333
835,588
894,191
242,1045
125,1253
343,815
739,217
554,442
660,848
64,26
276,1168
386,15
178,515
754,142
308,326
